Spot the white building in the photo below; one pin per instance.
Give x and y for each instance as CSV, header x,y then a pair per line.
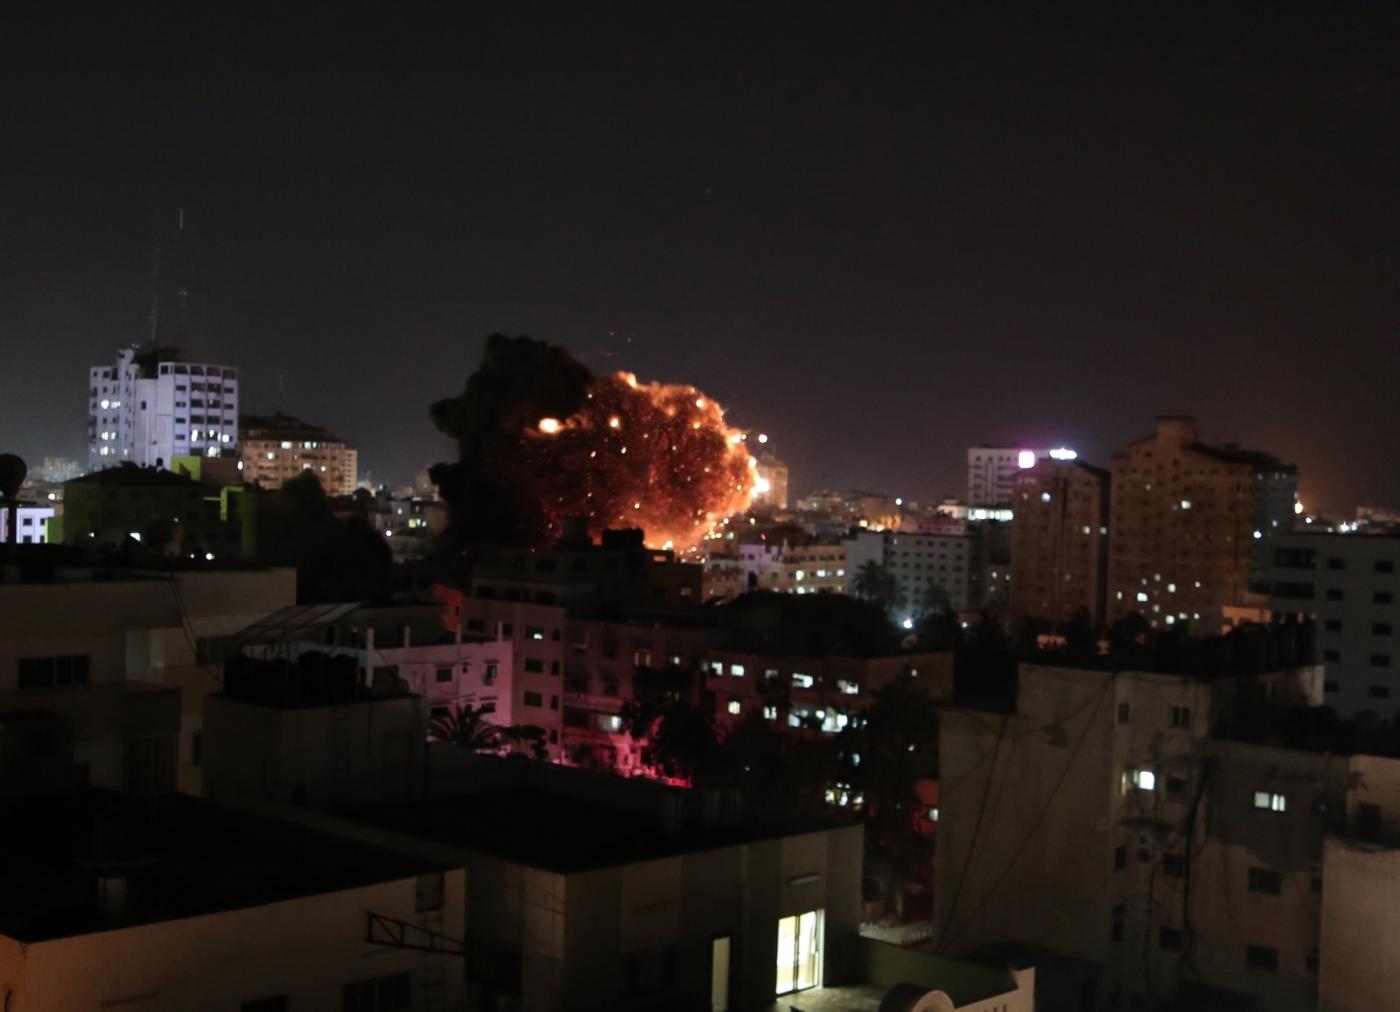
x,y
1348,585
31,523
930,569
991,469
149,408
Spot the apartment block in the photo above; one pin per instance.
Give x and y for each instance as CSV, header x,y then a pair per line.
x,y
930,570
277,448
1108,823
812,694
1059,540
1191,526
151,407
1347,584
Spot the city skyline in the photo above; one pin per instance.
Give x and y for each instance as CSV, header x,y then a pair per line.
x,y
980,230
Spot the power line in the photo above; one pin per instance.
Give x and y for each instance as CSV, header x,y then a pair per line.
x,y
1045,809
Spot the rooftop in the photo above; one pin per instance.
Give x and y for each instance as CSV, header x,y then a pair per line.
x,y
563,833
280,426
128,474
180,857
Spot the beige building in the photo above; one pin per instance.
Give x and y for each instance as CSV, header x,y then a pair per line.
x,y
586,891
277,448
174,905
1191,526
1101,822
128,658
1059,540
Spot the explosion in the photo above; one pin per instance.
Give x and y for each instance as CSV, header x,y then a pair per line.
x,y
542,439
658,456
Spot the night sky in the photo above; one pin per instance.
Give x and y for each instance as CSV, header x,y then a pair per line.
x,y
879,236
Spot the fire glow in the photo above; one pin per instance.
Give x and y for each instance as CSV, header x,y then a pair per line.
x,y
658,456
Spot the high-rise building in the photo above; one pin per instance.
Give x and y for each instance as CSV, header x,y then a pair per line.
x,y
1191,526
991,470
279,447
1059,540
930,571
150,408
1348,585
771,489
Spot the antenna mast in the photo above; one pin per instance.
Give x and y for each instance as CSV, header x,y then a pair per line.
x,y
182,292
155,294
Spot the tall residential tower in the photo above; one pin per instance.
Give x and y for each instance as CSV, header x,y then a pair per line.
x,y
150,408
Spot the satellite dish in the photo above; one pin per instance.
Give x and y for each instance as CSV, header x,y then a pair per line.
x,y
12,472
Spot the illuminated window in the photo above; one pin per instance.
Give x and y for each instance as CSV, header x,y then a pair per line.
x,y
770,713
737,670
735,707
802,681
1143,780
1270,801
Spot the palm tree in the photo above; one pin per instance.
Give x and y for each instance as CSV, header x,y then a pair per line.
x,y
468,727
933,600
874,582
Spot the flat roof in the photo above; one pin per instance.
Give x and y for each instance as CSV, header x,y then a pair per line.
x,y
180,856
558,832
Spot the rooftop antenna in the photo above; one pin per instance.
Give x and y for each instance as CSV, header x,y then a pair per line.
x,y
182,292
155,293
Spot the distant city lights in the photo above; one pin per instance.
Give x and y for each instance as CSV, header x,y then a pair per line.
x,y
1063,453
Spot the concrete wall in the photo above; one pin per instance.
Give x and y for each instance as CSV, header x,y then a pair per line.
x,y
1360,968
888,966
305,948
326,755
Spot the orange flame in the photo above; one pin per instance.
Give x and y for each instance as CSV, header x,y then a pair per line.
x,y
653,455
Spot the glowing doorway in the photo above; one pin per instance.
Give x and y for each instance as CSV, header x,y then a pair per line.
x,y
799,952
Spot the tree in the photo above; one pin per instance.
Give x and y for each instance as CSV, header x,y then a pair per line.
x,y
335,559
468,727
933,600
885,751
677,732
875,583
985,664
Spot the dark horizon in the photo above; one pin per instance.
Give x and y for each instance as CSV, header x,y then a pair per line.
x,y
879,236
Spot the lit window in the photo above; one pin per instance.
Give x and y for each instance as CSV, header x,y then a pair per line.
x,y
1143,780
802,681
770,713
1045,497
1270,801
286,445
1186,504
737,670
1142,596
735,707
271,455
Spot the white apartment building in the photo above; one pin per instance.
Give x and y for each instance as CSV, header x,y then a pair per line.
x,y
149,408
991,471
1348,585
777,566
31,525
929,569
